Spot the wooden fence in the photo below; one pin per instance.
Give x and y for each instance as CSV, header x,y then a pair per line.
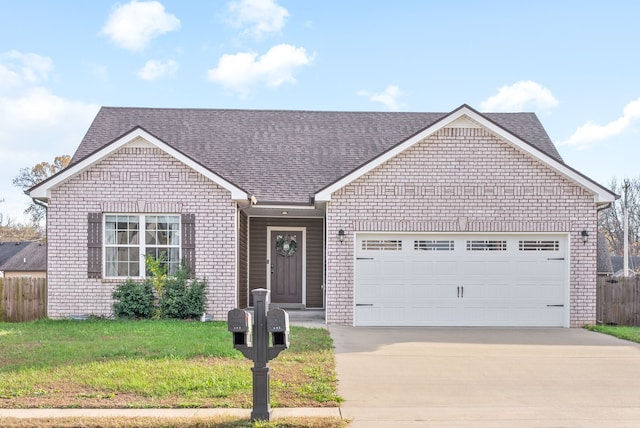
x,y
618,301
23,299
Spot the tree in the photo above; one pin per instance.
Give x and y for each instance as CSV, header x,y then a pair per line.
x,y
11,231
611,220
29,177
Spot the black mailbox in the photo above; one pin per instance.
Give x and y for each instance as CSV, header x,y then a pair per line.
x,y
240,324
278,327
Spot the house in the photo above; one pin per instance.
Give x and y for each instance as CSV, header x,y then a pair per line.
x,y
379,218
617,265
23,258
8,250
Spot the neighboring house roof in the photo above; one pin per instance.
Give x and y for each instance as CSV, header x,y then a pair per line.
x,y
9,249
286,156
27,256
617,263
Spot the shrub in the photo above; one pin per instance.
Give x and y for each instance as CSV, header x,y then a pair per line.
x,y
133,299
182,298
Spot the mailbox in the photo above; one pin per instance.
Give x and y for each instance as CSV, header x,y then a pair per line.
x,y
278,327
240,324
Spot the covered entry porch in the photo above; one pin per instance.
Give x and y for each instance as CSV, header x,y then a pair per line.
x,y
282,251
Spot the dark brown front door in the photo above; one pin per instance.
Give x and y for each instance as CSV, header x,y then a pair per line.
x,y
286,266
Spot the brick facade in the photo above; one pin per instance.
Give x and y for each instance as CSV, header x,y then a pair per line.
x,y
462,180
137,180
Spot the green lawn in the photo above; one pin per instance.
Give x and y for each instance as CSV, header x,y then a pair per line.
x,y
626,333
115,364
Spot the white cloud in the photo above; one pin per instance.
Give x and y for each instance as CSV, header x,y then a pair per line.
x,y
590,132
241,71
133,25
18,69
154,69
35,124
259,16
388,97
522,95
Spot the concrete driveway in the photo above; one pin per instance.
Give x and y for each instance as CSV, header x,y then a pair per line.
x,y
486,377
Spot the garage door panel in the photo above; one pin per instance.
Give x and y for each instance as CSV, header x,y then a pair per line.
x,y
553,269
497,291
497,280
527,267
473,267
424,268
368,315
445,268
430,291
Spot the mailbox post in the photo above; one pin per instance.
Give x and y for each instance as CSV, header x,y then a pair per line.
x,y
253,341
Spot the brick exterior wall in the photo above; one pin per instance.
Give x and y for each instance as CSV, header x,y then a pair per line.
x,y
137,180
462,180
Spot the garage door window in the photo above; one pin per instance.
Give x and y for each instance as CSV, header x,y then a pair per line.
x,y
382,245
433,245
539,246
486,245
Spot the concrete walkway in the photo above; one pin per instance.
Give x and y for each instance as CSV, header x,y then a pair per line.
x,y
486,377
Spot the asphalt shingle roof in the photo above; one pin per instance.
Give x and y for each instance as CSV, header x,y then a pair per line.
x,y
284,156
23,256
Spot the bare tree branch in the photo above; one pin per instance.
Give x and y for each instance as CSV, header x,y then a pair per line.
x,y
29,177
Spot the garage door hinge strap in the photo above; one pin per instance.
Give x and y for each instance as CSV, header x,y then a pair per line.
x,y
555,258
555,306
364,258
364,304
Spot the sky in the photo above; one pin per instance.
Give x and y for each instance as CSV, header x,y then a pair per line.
x,y
576,64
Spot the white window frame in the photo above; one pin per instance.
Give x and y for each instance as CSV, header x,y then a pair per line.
x,y
142,245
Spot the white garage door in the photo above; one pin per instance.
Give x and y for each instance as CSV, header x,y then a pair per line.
x,y
461,280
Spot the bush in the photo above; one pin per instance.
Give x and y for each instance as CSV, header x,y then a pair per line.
x,y
181,297
133,300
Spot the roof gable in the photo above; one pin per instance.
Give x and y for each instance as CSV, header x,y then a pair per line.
x,y
135,137
285,157
465,116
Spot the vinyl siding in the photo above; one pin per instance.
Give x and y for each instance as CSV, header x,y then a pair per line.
x,y
315,254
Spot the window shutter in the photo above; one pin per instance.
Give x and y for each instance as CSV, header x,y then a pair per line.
x,y
94,245
189,241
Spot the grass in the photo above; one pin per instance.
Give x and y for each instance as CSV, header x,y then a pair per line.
x,y
627,333
149,364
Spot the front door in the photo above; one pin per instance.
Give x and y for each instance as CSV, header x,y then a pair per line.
x,y
286,266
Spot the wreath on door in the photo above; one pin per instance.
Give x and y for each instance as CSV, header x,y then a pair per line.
x,y
286,245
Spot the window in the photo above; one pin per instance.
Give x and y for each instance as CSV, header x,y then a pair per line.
x,y
129,239
539,245
433,245
382,244
486,245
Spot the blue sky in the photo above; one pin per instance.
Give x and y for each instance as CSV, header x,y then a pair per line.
x,y
574,63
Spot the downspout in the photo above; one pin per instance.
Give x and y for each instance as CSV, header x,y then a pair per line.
x,y
253,200
46,216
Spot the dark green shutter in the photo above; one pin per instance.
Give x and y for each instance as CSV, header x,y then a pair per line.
x,y
94,245
189,241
